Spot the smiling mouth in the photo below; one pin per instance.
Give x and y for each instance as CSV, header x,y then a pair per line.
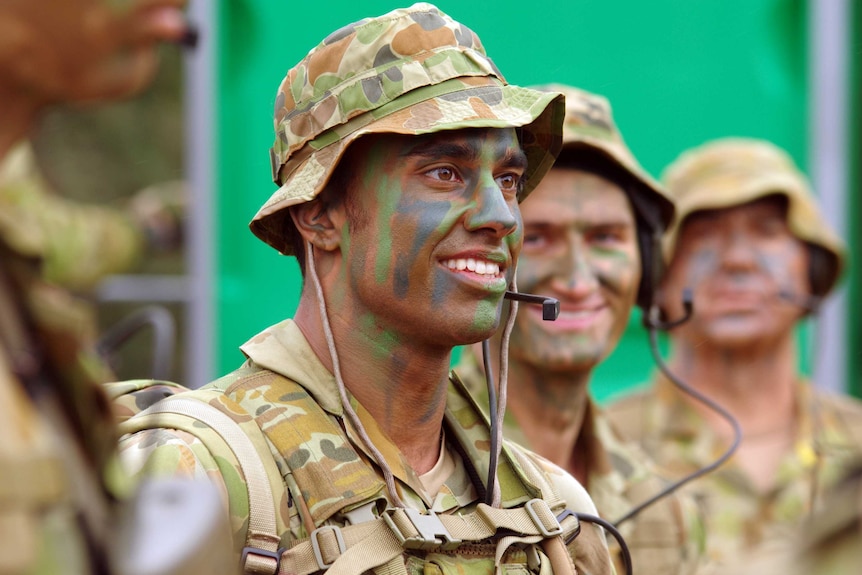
x,y
477,266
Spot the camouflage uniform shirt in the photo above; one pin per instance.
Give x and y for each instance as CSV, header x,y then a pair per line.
x,y
665,538
744,524
283,350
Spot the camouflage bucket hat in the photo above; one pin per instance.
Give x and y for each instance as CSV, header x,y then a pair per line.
x,y
735,171
589,124
411,71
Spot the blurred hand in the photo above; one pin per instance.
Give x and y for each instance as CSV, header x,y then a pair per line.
x,y
160,211
84,50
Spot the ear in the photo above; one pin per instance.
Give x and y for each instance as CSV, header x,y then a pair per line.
x,y
319,223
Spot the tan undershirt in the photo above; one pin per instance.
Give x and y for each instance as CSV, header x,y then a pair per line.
x,y
434,478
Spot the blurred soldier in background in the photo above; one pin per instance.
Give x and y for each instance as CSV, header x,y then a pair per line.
x,y
588,241
751,246
57,440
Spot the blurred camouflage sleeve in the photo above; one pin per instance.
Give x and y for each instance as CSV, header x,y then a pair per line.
x,y
78,244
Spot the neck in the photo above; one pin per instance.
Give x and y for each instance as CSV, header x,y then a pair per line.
x,y
17,117
755,383
403,385
548,406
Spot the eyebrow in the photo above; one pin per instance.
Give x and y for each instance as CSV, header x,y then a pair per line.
x,y
514,158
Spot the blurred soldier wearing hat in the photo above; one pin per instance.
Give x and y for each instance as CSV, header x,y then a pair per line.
x,y
59,484
751,246
400,152
589,241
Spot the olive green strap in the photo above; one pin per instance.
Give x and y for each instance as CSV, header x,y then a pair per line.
x,y
260,555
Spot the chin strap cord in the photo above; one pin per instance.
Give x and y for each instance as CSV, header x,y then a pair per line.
x,y
388,477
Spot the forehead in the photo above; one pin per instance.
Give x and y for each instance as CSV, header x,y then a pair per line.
x,y
569,195
475,141
772,207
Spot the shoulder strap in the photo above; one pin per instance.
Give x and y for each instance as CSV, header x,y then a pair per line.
x,y
260,554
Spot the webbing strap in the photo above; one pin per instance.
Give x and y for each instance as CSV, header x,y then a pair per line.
x,y
354,549
262,534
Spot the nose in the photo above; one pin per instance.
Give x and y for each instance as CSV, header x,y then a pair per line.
x,y
737,253
490,210
575,277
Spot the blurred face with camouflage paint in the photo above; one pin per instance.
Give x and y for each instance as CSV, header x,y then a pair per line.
x,y
580,247
739,262
77,51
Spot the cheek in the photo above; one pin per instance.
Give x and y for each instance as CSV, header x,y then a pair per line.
x,y
534,270
618,271
787,265
698,265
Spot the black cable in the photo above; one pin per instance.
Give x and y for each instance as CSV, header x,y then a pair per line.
x,y
492,415
685,388
610,528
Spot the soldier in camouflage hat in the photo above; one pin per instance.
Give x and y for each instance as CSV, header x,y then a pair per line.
x,y
750,244
401,154
591,231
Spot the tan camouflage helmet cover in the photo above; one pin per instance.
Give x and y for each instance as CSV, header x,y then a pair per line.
x,y
589,129
589,124
411,71
734,171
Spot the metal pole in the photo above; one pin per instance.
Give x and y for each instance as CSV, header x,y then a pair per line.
x,y
829,22
200,146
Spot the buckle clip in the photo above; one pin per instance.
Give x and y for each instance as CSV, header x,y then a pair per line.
x,y
315,544
534,515
246,551
432,533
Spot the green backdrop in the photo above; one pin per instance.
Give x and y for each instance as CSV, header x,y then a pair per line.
x,y
678,73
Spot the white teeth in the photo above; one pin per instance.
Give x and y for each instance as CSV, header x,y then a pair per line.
x,y
479,267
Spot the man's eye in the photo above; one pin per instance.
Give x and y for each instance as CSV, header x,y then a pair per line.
x,y
444,174
508,182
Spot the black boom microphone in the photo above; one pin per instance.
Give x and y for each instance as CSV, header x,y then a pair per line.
x,y
550,306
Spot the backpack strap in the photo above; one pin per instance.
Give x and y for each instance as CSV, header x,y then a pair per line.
x,y
261,551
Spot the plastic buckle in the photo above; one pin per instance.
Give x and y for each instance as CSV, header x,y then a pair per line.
x,y
246,551
315,544
534,515
562,517
432,533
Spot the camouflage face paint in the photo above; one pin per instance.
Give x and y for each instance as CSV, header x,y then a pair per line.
x,y
737,261
429,202
580,246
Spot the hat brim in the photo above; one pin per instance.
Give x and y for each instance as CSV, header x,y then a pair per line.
x,y
451,105
803,217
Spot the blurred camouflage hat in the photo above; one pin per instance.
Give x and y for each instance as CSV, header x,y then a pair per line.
x,y
734,171
589,124
411,71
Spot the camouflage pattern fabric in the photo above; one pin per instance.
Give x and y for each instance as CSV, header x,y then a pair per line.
x,y
735,171
285,390
666,538
742,522
77,244
411,71
57,429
